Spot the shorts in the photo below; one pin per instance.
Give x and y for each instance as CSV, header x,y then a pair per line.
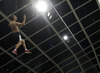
x,y
17,37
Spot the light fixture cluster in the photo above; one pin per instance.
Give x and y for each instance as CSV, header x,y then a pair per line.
x,y
49,15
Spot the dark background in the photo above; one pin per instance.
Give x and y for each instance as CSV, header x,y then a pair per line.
x,y
80,20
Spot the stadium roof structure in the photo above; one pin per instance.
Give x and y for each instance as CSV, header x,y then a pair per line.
x,y
79,20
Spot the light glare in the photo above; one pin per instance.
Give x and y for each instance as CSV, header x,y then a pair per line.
x,y
65,37
50,17
48,13
41,6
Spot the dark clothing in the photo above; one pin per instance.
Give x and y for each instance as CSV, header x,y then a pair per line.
x,y
17,37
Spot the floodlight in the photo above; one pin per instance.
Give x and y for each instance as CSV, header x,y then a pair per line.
x,y
65,37
41,6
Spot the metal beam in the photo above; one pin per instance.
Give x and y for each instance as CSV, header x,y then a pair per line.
x,y
98,3
63,40
17,59
68,1
9,53
34,44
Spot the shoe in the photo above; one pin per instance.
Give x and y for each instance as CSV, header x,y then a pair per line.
x,y
14,52
27,51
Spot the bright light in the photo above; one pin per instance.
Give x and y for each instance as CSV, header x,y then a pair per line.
x,y
48,13
50,17
65,37
41,6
